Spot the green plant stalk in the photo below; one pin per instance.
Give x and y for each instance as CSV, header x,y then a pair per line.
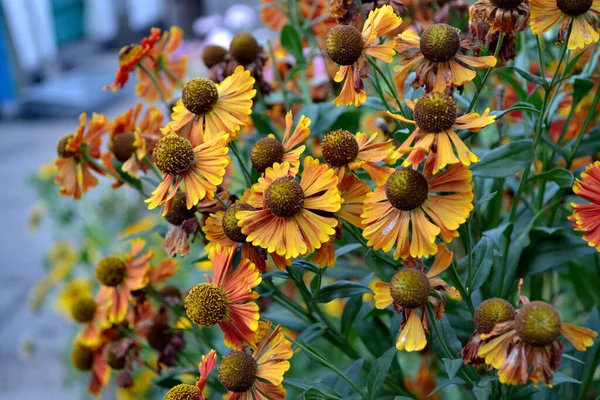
x,y
171,75
589,376
153,167
461,287
245,172
486,75
375,253
155,83
391,87
327,364
361,10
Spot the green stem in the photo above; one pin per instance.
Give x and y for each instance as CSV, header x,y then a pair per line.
x,y
167,71
361,10
154,169
461,287
155,82
487,74
220,200
391,87
245,172
540,56
327,364
589,376
375,253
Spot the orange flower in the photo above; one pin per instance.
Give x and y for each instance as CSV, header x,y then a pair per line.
x,y
224,299
130,56
346,152
74,153
436,119
427,205
201,168
168,69
586,217
85,358
269,150
348,47
409,290
258,375
287,217
119,277
438,60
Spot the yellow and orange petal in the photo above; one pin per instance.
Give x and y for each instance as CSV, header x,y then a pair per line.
x,y
586,217
412,337
230,112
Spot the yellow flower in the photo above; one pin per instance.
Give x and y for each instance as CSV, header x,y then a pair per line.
x,y
206,110
348,47
546,14
75,289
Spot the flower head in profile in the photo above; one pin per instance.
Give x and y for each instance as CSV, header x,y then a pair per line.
x,y
268,151
346,152
130,56
119,276
348,47
167,66
291,217
183,223
200,168
489,313
259,374
586,217
132,138
528,347
185,391
582,14
412,209
409,291
75,151
206,110
225,299
436,119
437,58
91,359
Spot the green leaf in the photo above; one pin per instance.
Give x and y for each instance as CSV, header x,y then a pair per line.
x,y
488,197
589,145
339,290
553,251
581,87
169,378
347,249
452,366
483,258
528,76
374,103
483,389
322,116
563,178
445,383
262,123
312,388
352,307
520,106
374,334
291,41
559,378
378,372
505,160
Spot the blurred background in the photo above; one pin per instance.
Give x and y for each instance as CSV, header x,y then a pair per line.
x,y
55,57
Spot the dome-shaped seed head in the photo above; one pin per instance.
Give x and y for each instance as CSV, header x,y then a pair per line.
x,y
344,44
179,211
339,148
111,271
122,146
61,146
574,7
174,154
266,152
284,197
159,335
212,55
492,312
406,189
410,288
199,95
440,42
230,222
82,357
114,360
244,48
206,304
183,391
237,371
83,309
435,112
507,4
538,323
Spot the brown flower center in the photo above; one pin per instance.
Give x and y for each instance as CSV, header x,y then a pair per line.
x,y
183,391
230,222
206,304
237,371
213,55
174,154
410,288
122,145
339,148
62,145
440,42
111,271
344,44
266,152
199,95
538,323
435,112
179,212
492,312
244,48
574,7
82,357
114,360
83,310
406,189
284,197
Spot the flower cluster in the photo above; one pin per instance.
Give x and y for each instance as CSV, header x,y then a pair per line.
x,y
300,202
